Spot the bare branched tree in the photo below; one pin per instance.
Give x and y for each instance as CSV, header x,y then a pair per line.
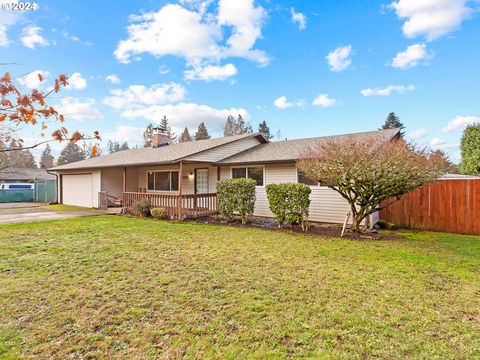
x,y
370,174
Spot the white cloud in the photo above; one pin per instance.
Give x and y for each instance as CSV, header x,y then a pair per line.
x,y
211,72
411,57
7,19
31,80
460,122
418,134
186,114
113,78
430,18
283,103
76,82
437,142
324,100
131,134
339,59
31,37
245,21
169,30
163,70
299,18
79,110
136,96
75,38
387,91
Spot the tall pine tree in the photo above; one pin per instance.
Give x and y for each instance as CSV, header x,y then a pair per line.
x,y
228,129
393,122
165,125
71,153
20,158
47,160
236,126
114,146
148,135
264,129
202,132
185,136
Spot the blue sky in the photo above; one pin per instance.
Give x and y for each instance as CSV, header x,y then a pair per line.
x,y
309,68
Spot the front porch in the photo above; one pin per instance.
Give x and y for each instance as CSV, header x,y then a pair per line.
x,y
183,190
178,207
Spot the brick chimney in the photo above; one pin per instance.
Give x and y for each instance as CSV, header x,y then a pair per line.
x,y
160,137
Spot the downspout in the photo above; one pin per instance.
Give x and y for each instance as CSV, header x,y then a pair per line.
x,y
58,185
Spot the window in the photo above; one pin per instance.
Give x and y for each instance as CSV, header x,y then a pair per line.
x,y
162,180
302,179
254,172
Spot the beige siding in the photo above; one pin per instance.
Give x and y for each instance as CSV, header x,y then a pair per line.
x,y
225,151
326,204
112,181
188,178
132,179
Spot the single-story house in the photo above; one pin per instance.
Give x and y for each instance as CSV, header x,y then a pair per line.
x,y
185,175
15,174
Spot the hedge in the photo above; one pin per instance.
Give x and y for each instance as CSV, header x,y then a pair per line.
x,y
236,197
289,203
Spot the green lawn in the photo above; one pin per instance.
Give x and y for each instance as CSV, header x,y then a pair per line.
x,y
115,287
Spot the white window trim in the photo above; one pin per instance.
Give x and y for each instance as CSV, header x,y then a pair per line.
x,y
162,191
247,166
296,179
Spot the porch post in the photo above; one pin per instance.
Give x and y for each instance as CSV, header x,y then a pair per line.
x,y
124,179
180,182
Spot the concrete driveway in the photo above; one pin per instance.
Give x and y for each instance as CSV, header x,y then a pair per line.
x,y
12,213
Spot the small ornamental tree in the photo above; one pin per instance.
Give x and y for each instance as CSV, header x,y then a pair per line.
x,y
366,172
470,147
289,203
21,109
236,197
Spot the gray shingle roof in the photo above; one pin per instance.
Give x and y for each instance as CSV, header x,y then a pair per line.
x,y
291,150
148,156
25,174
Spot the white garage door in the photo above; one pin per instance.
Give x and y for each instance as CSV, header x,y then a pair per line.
x,y
77,190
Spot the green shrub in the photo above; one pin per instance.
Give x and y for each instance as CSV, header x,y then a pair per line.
x,y
143,207
289,203
236,197
158,213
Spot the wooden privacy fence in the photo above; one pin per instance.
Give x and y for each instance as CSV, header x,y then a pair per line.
x,y
445,205
176,206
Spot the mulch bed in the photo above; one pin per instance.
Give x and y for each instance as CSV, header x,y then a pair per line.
x,y
320,229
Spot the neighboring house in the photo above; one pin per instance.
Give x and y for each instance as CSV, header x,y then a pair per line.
x,y
27,185
14,174
192,169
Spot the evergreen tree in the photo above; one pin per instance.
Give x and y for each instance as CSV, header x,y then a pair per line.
x,y
202,132
114,146
165,125
393,122
71,153
470,148
20,158
148,135
185,136
265,130
47,160
236,126
228,129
